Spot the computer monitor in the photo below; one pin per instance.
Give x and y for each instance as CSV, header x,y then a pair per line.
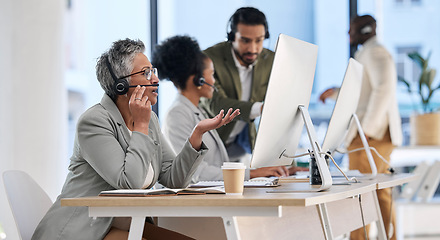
x,y
345,106
344,114
287,99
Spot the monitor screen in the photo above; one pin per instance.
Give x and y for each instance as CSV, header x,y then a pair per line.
x,y
290,85
345,107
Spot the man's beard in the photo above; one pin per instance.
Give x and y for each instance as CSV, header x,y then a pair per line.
x,y
243,59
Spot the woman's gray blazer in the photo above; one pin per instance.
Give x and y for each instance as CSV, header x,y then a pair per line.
x,y
106,157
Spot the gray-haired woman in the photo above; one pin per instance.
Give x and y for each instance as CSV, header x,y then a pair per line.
x,y
119,144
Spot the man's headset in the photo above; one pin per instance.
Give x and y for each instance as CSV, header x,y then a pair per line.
x,y
121,85
366,30
235,19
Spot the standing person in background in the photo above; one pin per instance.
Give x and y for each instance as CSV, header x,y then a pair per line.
x,y
242,72
377,111
180,60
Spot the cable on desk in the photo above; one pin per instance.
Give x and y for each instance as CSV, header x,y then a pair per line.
x,y
375,151
334,162
362,215
327,154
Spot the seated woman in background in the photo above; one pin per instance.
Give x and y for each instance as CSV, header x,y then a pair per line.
x,y
119,145
180,60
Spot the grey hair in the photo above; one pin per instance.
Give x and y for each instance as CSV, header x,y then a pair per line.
x,y
120,56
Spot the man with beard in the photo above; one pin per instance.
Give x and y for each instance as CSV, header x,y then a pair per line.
x,y
242,70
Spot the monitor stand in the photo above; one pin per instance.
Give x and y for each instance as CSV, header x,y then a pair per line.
x,y
326,178
366,148
323,168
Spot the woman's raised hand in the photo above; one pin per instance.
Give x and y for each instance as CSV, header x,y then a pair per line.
x,y
217,121
210,124
140,109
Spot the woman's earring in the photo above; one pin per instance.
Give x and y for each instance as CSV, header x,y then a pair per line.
x,y
199,87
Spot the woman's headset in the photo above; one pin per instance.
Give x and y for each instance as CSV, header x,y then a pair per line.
x,y
121,85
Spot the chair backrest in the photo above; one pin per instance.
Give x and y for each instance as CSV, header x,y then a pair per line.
x,y
28,201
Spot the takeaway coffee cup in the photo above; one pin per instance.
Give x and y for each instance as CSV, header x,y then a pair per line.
x,y
233,177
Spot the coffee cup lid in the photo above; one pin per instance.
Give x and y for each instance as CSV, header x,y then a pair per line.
x,y
233,165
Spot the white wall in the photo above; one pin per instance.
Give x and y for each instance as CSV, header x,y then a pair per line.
x,y
33,100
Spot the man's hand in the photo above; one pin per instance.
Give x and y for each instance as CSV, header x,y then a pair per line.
x,y
280,171
326,94
293,170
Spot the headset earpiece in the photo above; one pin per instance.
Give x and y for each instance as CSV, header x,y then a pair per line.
x,y
121,86
231,36
198,81
366,30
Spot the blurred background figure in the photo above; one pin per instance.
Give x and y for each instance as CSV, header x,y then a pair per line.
x,y
377,111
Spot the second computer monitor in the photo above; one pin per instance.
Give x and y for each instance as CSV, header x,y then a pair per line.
x,y
345,106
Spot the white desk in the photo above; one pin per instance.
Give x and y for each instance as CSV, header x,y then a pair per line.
x,y
258,214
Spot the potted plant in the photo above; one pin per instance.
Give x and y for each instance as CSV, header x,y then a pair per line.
x,y
424,124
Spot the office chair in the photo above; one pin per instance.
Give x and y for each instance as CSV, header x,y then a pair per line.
x,y
28,201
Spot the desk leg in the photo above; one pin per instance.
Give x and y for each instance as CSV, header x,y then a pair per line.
x,y
381,235
325,221
231,228
136,228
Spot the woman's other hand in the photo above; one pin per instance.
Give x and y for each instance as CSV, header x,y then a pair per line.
x,y
210,124
217,121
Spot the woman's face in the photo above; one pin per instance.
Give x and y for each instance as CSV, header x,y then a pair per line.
x,y
141,63
208,74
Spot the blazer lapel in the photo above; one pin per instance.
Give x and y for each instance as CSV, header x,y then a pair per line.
x,y
257,75
199,115
232,69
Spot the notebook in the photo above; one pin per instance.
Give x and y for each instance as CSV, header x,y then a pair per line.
x,y
161,192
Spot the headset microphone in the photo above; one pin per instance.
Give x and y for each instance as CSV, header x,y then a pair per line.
x,y
202,80
146,85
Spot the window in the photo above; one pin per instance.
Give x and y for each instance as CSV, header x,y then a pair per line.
x,y
406,68
408,2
